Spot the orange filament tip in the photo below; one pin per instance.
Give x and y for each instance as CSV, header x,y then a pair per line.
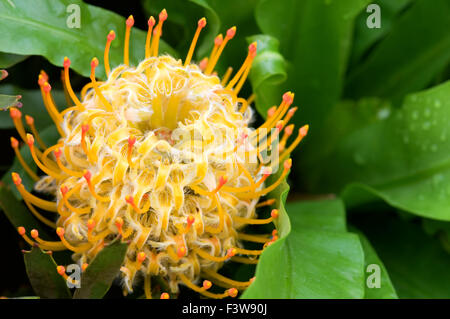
x,y
57,153
64,190
274,213
274,232
151,22
252,279
111,35
231,252
87,176
131,141
288,164
288,98
47,87
304,130
84,266
94,63
271,111
129,199
21,230
130,21
60,231
203,63
91,224
231,32
165,295
30,139
16,179
181,251
207,284
163,15
292,111
34,233
15,113
61,270
279,125
190,220
29,120
14,142
66,63
3,74
232,292
289,129
84,128
274,238
119,222
141,257
202,23
252,49
223,180
218,40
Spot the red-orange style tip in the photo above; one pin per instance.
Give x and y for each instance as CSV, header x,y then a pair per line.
x,y
165,295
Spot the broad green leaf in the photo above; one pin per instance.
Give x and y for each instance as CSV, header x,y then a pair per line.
x,y
417,48
44,28
402,158
8,60
317,259
315,37
185,15
268,70
18,214
416,262
365,37
99,275
386,289
32,105
45,280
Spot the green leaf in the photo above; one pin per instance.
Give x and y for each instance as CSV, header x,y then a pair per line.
x,y
42,29
315,37
317,259
32,105
45,280
422,33
268,70
386,289
403,158
18,214
8,60
99,275
365,37
416,262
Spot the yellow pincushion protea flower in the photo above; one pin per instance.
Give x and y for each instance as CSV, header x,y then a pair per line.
x,y
162,155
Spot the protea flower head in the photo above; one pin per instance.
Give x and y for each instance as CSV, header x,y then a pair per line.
x,y
162,155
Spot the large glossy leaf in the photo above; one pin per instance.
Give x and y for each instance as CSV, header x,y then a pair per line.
x,y
317,259
100,273
417,48
386,289
402,157
45,280
42,29
315,37
417,264
366,37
